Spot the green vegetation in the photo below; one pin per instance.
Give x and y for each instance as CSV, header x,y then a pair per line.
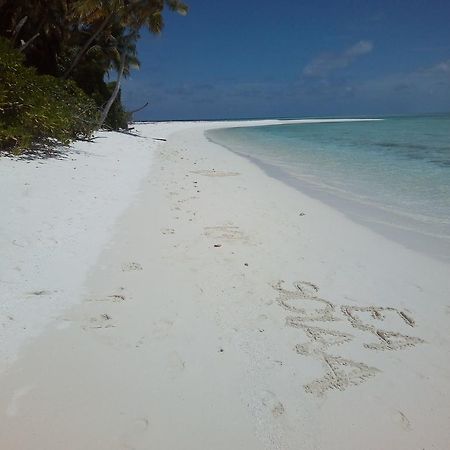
x,y
55,56
39,110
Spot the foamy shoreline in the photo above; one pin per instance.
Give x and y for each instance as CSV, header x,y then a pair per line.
x,y
427,234
386,222
211,307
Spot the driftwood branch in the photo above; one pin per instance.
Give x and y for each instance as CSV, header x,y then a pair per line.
x,y
138,109
26,44
128,132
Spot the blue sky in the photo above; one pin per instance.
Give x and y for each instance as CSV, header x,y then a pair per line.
x,y
294,58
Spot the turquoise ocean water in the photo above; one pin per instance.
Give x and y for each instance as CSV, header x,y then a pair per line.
x,y
393,174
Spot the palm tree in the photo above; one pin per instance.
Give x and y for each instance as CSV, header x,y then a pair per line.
x,y
56,35
120,54
96,14
134,14
148,13
37,28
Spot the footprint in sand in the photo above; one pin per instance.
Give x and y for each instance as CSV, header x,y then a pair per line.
x,y
100,322
271,402
184,200
161,328
215,173
227,232
41,293
401,419
140,342
115,298
130,266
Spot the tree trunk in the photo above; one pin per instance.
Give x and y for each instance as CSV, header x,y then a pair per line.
x,y
26,44
86,46
138,109
108,105
17,30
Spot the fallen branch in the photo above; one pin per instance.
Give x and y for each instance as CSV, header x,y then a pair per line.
x,y
26,44
129,133
138,109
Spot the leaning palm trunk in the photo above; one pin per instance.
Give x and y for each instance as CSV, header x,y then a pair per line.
x,y
86,46
108,105
17,29
26,44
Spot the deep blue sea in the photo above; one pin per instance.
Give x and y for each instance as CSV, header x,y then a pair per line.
x,y
392,174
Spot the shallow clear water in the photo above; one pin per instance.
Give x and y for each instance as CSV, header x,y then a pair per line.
x,y
398,168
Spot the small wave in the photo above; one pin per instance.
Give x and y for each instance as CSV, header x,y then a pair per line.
x,y
401,145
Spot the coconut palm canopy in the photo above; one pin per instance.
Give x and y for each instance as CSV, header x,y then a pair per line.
x,y
84,40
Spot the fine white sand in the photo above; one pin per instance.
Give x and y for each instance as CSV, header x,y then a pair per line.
x,y
170,295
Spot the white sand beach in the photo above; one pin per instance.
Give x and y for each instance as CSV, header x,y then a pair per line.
x,y
162,292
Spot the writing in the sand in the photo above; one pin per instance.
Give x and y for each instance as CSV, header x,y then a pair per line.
x,y
309,308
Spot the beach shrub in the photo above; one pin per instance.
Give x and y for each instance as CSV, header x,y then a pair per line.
x,y
39,111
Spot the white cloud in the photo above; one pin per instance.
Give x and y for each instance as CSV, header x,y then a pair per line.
x,y
425,89
441,68
324,64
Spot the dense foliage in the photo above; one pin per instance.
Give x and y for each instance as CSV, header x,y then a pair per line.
x,y
39,110
55,58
